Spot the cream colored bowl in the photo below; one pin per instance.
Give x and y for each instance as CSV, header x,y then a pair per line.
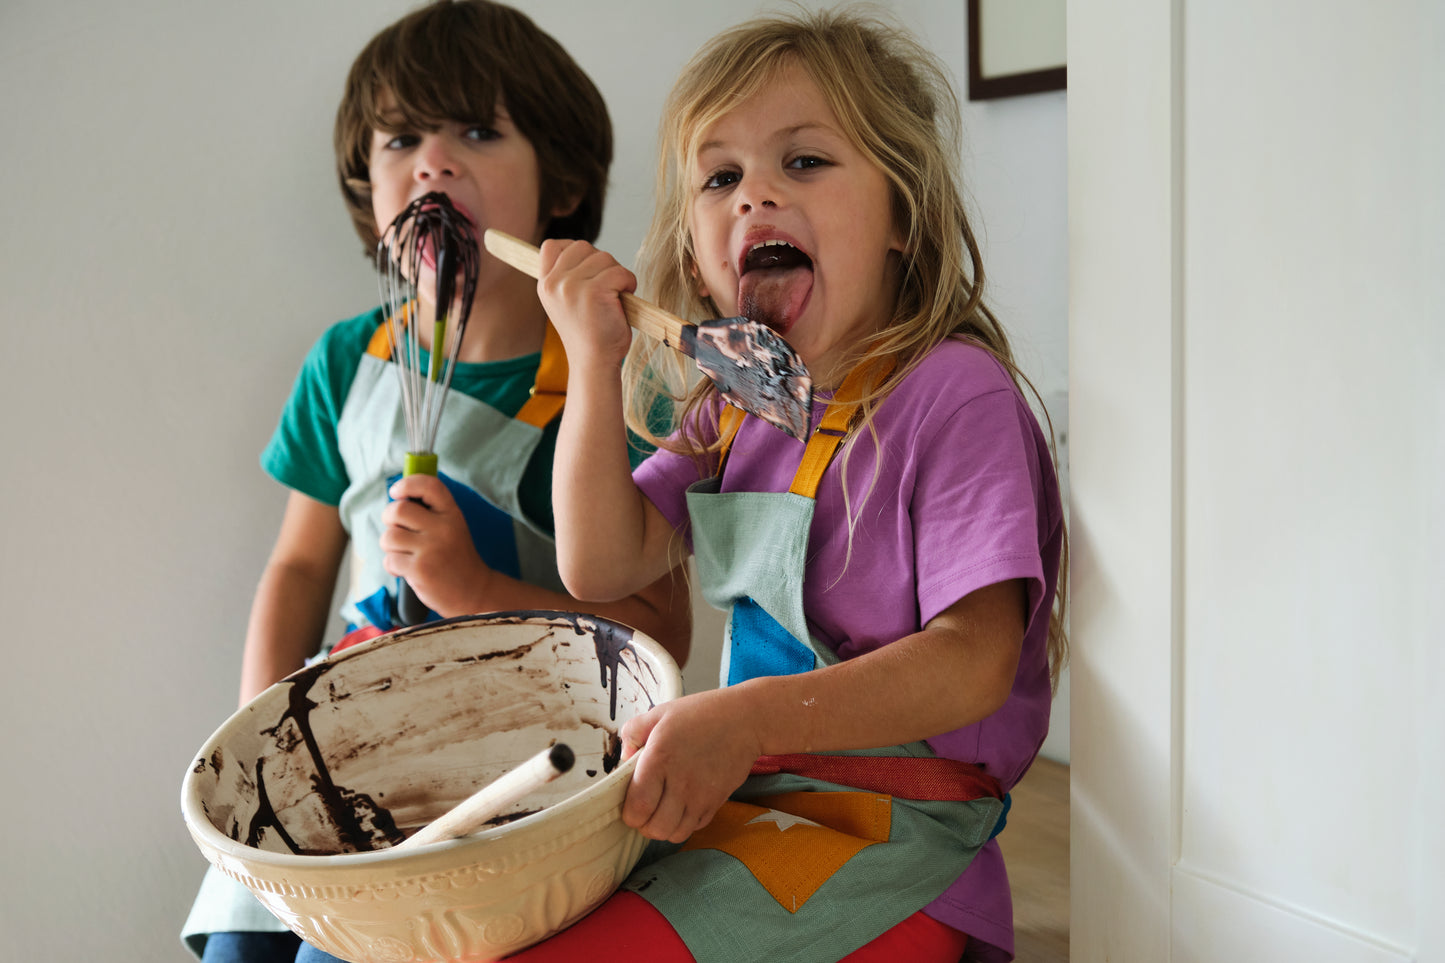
x,y
298,794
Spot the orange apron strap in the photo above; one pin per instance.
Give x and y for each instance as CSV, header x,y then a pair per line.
x,y
380,344
728,424
837,422
549,394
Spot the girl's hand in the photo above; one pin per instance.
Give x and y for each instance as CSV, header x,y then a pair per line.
x,y
427,542
698,750
581,289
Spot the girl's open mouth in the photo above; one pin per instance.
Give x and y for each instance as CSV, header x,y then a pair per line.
x,y
775,283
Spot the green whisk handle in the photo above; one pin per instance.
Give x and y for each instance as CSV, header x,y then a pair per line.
x,y
419,463
411,610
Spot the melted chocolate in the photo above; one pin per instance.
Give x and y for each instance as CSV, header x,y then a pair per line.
x,y
609,638
612,755
360,821
505,818
755,370
265,817
363,824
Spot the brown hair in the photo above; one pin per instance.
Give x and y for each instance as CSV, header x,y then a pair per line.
x,y
893,100
452,60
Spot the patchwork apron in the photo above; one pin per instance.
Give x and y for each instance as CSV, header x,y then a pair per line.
x,y
816,854
483,454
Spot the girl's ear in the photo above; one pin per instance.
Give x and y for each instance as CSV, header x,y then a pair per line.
x,y
898,239
702,291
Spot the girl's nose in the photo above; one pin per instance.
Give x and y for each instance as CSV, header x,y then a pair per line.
x,y
757,191
435,158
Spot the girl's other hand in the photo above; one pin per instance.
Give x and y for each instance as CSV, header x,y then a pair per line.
x,y
427,542
698,750
581,289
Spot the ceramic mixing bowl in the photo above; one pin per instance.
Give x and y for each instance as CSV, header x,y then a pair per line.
x,y
299,794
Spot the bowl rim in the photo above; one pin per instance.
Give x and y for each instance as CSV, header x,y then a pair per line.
x,y
207,834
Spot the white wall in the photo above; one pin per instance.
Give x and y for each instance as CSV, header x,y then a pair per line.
x,y
1258,416
172,244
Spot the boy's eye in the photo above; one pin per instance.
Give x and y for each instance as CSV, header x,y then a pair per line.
x,y
719,179
481,132
402,141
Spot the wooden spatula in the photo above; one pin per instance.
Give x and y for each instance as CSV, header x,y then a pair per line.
x,y
751,365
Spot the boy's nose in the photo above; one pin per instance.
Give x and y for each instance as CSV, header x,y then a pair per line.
x,y
435,159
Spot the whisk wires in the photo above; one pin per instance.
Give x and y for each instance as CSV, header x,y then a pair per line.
x,y
431,230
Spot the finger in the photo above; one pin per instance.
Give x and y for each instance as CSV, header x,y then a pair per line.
x,y
667,819
426,489
397,564
397,539
636,730
562,254
643,795
405,516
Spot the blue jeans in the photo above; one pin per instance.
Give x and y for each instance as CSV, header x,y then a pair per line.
x,y
251,948
310,954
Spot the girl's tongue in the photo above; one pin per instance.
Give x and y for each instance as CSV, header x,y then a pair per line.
x,y
774,286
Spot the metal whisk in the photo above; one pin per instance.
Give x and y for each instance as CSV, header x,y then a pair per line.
x,y
430,230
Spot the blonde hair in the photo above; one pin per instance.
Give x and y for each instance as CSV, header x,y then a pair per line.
x,y
892,99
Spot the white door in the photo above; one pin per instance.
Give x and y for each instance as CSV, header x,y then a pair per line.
x,y
1257,408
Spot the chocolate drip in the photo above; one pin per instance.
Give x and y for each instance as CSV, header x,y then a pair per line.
x,y
360,821
265,817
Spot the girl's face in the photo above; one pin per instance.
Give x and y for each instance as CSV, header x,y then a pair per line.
x,y
792,225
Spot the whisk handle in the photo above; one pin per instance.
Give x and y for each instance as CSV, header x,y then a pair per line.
x,y
410,609
642,315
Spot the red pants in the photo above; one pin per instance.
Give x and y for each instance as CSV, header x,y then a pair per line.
x,y
626,929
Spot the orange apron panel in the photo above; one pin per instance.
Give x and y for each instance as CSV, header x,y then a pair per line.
x,y
793,843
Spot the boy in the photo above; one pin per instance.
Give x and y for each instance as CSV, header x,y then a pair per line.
x,y
471,99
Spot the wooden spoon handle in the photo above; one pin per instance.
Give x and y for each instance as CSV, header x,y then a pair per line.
x,y
642,315
472,813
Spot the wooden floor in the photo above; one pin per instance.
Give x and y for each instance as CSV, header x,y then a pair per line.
x,y
1036,849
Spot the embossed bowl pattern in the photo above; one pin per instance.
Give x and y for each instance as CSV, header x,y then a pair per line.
x,y
300,794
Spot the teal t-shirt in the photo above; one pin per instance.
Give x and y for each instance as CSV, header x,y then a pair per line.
x,y
304,455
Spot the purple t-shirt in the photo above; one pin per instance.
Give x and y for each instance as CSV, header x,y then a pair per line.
x,y
965,497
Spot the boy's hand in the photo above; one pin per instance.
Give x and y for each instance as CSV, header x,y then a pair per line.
x,y
581,289
427,542
698,750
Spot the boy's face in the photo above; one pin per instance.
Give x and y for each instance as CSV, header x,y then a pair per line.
x,y
489,172
791,224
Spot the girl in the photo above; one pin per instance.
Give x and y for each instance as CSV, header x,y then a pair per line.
x,y
892,641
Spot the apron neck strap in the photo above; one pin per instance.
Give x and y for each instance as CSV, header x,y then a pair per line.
x,y
838,422
380,344
549,391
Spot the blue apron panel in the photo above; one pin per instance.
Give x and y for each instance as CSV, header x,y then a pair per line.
x,y
760,646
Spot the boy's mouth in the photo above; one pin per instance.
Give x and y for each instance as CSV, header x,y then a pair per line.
x,y
774,284
426,243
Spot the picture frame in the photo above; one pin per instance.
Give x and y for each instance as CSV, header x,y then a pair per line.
x,y
1015,47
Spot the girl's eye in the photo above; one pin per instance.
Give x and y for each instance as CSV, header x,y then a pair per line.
x,y
720,179
480,132
806,162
